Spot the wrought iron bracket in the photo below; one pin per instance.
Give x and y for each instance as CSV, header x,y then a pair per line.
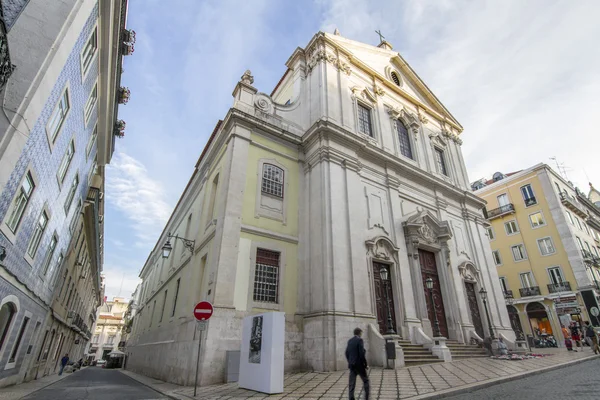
x,y
189,244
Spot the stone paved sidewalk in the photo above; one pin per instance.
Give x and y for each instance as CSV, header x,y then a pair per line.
x,y
418,382
16,392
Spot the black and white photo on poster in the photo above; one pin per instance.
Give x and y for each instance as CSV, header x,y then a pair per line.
x,y
256,340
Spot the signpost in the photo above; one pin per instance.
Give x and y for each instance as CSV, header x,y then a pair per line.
x,y
595,312
202,312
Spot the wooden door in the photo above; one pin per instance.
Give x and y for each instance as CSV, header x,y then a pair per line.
x,y
429,270
474,307
380,298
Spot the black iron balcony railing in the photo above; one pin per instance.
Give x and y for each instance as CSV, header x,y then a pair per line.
x,y
6,67
530,201
572,203
500,211
508,294
530,291
559,287
590,258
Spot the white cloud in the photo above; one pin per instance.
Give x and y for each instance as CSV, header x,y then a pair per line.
x,y
139,197
120,282
521,77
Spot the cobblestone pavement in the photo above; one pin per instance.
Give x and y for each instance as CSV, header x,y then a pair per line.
x,y
578,382
413,382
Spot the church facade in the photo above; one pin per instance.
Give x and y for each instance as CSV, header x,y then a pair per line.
x,y
335,199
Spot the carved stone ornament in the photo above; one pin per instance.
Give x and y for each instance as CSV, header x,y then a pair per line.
x,y
468,272
382,248
426,233
409,119
264,104
378,91
422,117
424,226
247,78
319,52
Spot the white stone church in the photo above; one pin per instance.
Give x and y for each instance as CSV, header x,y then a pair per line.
x,y
336,199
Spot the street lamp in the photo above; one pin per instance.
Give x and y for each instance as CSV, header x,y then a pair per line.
x,y
383,273
436,322
167,248
483,294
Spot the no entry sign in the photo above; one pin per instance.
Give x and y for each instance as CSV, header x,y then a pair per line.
x,y
203,311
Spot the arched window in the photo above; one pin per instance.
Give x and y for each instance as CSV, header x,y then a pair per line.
x,y
395,78
7,314
404,139
272,182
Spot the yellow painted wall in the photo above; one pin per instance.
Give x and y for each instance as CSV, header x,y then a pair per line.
x,y
290,278
291,188
528,236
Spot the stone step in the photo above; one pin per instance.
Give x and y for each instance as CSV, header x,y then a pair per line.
x,y
463,357
468,353
412,363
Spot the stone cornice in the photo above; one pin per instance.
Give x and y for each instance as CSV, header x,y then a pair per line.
x,y
325,130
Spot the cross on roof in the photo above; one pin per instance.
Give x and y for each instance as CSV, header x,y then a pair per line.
x,y
381,37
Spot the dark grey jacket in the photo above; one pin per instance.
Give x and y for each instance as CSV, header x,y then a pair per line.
x,y
356,353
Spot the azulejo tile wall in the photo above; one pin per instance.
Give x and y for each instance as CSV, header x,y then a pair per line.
x,y
44,160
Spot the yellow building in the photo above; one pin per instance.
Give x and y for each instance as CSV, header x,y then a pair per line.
x,y
545,238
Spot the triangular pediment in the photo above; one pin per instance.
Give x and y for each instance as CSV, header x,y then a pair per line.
x,y
381,60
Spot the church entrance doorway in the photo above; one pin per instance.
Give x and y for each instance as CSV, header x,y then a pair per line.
x,y
383,294
474,307
429,270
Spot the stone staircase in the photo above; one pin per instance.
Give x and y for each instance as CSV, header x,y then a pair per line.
x,y
415,354
461,351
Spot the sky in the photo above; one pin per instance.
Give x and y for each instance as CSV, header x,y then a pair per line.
x,y
522,78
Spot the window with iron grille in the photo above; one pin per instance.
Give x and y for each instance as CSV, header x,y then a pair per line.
x,y
266,276
404,139
272,182
364,120
441,163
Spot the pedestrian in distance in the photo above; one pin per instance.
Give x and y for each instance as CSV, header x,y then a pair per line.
x,y
567,334
502,347
591,338
575,335
357,363
63,363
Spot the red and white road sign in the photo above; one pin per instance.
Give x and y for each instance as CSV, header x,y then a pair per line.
x,y
203,311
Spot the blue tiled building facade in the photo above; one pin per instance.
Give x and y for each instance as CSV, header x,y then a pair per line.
x,y
23,281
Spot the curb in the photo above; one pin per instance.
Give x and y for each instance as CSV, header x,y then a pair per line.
x,y
164,393
482,385
49,384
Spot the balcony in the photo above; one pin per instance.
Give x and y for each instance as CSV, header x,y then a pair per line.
x,y
531,201
6,67
508,294
559,287
594,223
590,258
501,211
572,204
530,291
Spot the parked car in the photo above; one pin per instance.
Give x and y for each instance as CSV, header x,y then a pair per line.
x,y
101,363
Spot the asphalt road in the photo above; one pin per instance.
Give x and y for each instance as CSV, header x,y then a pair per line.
x,y
580,381
95,383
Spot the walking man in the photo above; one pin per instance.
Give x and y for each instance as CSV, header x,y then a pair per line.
x,y
590,337
357,363
63,363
